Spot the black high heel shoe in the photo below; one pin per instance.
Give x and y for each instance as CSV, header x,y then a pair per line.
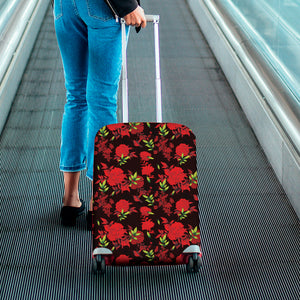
x,y
69,214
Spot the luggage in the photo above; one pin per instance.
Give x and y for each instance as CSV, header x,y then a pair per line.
x,y
145,190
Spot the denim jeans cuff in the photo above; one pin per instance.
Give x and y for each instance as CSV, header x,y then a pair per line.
x,y
73,169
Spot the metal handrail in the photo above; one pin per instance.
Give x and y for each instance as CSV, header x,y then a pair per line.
x,y
13,25
6,12
277,95
20,23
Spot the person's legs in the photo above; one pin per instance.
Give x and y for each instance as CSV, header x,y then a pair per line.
x,y
71,196
105,63
92,78
104,70
71,35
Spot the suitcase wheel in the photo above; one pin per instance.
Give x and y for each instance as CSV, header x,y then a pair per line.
x,y
194,263
98,264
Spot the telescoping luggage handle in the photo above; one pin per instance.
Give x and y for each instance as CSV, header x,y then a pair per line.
x,y
155,20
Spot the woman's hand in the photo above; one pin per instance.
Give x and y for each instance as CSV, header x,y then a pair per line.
x,y
136,18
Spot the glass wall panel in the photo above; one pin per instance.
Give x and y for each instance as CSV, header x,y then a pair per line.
x,y
273,26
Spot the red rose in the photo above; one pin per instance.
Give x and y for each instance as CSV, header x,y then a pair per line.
x,y
196,239
165,257
185,131
183,204
173,126
194,186
137,183
122,150
147,225
145,155
137,238
182,149
175,231
115,231
119,128
136,128
175,175
122,205
125,130
125,242
113,127
115,176
145,211
147,170
181,129
107,154
122,260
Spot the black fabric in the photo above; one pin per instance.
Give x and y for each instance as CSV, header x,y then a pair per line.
x,y
123,8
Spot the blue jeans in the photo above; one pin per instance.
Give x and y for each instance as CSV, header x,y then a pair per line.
x,y
90,43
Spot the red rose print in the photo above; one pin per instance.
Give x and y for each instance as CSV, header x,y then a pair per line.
x,y
145,193
107,154
145,156
138,240
196,240
183,208
125,130
179,130
122,205
125,242
119,129
145,211
183,204
165,148
175,175
147,170
136,237
115,231
115,176
185,241
136,182
182,149
173,126
136,128
166,256
175,231
147,225
185,131
122,150
113,127
107,209
194,185
122,260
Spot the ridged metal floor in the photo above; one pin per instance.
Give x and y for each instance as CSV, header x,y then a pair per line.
x,y
250,233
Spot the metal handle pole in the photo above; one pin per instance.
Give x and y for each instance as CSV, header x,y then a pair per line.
x,y
152,18
157,72
124,74
155,20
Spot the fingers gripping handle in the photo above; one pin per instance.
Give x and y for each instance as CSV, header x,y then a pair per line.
x,y
155,20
